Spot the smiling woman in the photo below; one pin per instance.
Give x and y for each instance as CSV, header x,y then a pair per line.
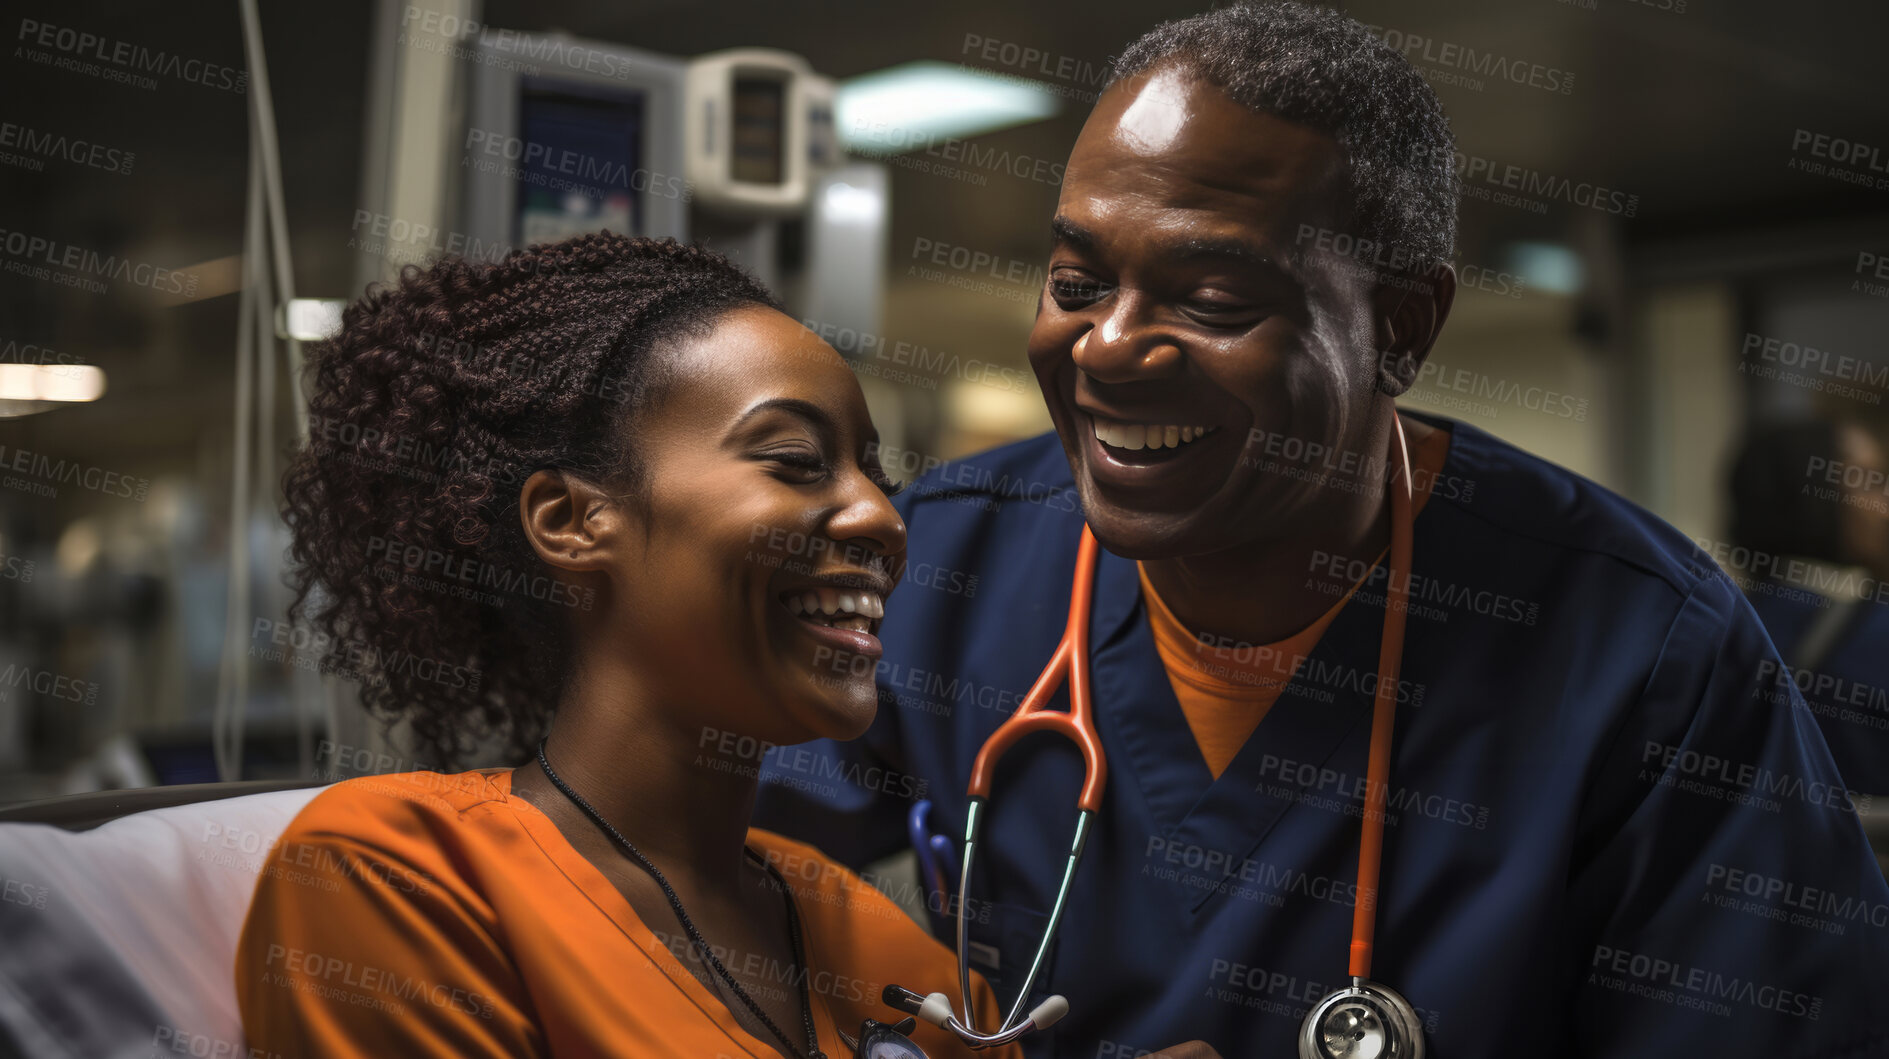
x,y
636,510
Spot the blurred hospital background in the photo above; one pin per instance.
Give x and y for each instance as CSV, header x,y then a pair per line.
x,y
1674,246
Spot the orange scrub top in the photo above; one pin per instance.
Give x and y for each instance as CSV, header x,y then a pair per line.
x,y
1225,694
430,915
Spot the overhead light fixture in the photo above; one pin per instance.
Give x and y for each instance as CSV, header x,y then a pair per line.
x,y
29,388
309,319
1548,267
912,105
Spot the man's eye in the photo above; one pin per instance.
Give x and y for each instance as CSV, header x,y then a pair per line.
x,y
1224,314
1076,293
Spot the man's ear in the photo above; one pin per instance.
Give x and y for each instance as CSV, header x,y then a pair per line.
x,y
1407,317
571,522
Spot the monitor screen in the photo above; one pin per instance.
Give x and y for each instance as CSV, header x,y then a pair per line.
x,y
760,136
580,166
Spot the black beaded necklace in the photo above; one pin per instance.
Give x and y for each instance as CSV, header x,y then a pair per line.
x,y
701,944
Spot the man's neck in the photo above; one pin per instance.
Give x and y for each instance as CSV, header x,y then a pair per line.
x,y
1266,591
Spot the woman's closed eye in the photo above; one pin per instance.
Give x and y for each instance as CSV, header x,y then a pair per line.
x,y
808,468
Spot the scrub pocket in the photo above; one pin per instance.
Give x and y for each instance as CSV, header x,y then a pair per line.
x,y
1003,940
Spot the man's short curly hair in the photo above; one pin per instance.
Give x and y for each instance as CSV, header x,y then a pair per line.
x,y
439,397
1321,69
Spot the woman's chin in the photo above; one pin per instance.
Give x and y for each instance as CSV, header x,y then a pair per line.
x,y
841,709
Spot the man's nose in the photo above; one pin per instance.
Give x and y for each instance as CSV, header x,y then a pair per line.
x,y
1127,344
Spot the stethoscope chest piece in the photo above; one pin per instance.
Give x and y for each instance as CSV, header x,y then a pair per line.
x,y
1364,1020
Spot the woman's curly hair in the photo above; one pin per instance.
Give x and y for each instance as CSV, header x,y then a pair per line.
x,y
439,397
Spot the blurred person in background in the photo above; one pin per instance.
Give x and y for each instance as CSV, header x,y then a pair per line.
x,y
1810,517
1595,823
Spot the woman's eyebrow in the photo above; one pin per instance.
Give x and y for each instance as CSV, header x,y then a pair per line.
x,y
815,416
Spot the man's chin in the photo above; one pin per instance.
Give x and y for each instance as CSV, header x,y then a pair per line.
x,y
1135,534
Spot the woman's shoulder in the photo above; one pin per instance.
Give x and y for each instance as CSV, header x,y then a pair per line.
x,y
405,812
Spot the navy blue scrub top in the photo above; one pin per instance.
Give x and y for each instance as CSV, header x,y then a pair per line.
x,y
1847,688
1610,835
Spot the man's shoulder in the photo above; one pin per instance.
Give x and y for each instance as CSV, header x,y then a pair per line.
x,y
1505,499
1021,469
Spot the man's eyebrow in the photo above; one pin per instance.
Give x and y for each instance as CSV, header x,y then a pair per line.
x,y
1068,233
1227,249
815,416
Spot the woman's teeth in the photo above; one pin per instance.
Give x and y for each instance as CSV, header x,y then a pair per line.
x,y
1135,436
854,609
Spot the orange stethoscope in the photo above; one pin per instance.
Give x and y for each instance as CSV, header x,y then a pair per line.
x,y
1365,1020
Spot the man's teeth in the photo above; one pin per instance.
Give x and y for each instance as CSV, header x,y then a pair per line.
x,y
1134,436
854,609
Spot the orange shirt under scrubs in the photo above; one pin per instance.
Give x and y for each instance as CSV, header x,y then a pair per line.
x,y
1225,694
430,915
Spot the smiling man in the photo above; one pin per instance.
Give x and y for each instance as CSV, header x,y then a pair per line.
x,y
1609,827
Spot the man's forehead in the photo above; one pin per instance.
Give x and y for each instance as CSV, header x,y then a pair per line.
x,y
1178,131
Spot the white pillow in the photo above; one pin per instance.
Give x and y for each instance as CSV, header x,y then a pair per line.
x,y
121,940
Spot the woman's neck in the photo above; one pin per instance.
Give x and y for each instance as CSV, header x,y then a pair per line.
x,y
650,775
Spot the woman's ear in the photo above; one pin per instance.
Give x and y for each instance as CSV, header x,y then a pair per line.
x,y
571,523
